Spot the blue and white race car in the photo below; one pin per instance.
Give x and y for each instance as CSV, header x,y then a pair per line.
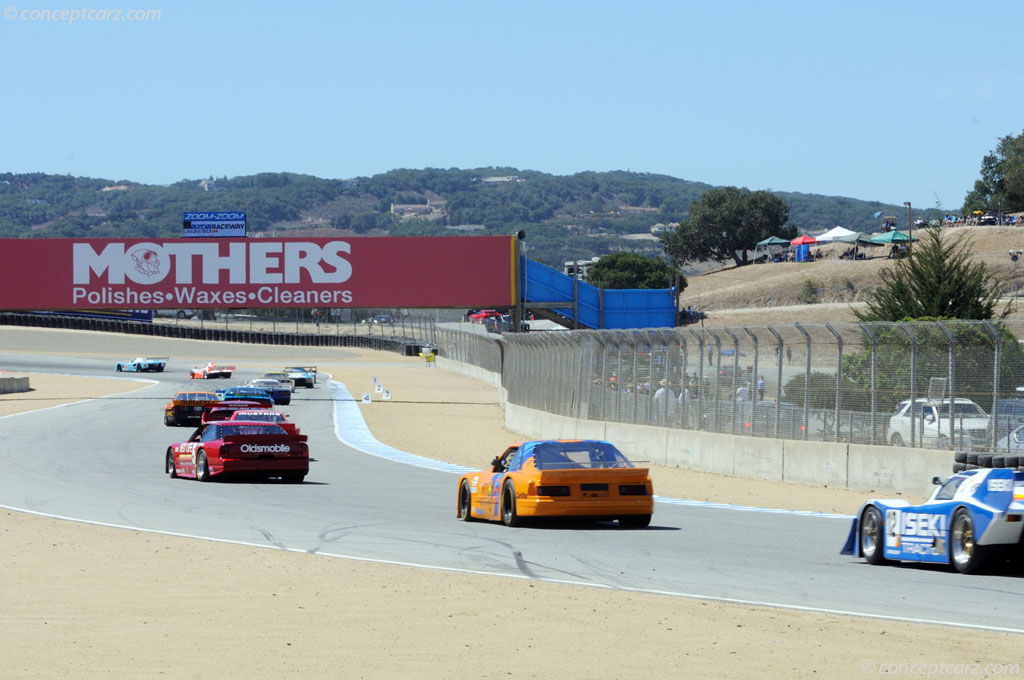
x,y
142,365
968,519
302,376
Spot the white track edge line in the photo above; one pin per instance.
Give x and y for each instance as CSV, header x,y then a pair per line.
x,y
602,586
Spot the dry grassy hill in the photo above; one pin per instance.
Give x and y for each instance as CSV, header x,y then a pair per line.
x,y
743,295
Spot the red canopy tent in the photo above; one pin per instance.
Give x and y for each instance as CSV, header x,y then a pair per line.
x,y
804,240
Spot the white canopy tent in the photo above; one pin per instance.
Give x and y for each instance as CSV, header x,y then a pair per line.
x,y
841,234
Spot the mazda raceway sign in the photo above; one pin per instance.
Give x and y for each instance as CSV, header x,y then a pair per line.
x,y
457,271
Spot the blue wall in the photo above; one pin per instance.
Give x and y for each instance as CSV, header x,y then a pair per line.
x,y
653,308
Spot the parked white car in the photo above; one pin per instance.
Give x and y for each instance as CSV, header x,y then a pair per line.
x,y
931,424
1012,443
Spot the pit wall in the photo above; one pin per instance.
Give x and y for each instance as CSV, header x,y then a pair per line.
x,y
860,467
11,385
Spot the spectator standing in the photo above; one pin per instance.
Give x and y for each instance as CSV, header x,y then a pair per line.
x,y
664,403
743,393
760,388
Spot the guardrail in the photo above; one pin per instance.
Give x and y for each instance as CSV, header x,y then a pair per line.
x,y
402,345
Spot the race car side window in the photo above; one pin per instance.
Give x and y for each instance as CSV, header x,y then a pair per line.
x,y
210,433
948,489
501,463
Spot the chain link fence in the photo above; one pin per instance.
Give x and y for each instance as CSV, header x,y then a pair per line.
x,y
945,385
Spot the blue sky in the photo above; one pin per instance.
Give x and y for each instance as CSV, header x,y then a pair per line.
x,y
888,101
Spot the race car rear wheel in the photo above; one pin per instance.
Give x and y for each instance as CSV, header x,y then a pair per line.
x,y
966,555
508,507
202,467
872,532
465,503
118,369
293,477
169,464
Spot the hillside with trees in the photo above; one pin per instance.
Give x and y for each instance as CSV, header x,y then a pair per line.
x,y
566,217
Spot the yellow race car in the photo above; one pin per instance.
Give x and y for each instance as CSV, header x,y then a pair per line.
x,y
584,478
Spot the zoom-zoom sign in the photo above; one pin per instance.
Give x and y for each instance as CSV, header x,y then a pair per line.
x,y
203,273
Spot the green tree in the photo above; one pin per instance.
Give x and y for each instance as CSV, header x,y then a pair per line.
x,y
630,270
1001,186
725,223
939,280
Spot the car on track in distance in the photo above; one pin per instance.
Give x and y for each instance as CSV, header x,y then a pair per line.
x,y
186,407
251,448
586,478
279,392
211,370
302,376
246,393
265,416
281,377
970,519
142,365
223,410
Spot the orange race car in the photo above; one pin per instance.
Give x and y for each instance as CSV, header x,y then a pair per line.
x,y
211,370
586,478
186,408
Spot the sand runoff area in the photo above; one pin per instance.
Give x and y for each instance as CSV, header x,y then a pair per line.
x,y
84,601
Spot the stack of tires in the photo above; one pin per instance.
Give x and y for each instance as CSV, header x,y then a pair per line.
x,y
963,460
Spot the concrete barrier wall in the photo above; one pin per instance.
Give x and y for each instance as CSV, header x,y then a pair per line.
x,y
906,470
11,385
817,463
469,370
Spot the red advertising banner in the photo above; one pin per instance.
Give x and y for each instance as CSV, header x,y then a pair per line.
x,y
455,271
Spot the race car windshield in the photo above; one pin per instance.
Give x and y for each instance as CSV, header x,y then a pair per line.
x,y
578,456
228,430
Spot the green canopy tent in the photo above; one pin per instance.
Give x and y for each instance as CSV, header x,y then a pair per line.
x,y
890,237
771,245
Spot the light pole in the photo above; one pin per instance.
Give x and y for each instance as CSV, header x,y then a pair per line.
x,y
910,228
1014,256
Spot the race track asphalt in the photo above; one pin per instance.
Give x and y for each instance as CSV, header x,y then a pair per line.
x,y
102,461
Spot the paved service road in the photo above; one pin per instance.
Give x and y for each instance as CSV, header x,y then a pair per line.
x,y
102,461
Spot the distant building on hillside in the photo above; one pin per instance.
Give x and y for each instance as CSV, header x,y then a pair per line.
x,y
432,210
581,267
504,178
116,187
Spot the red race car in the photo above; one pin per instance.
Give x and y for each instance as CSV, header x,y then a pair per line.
x,y
240,447
211,370
223,410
